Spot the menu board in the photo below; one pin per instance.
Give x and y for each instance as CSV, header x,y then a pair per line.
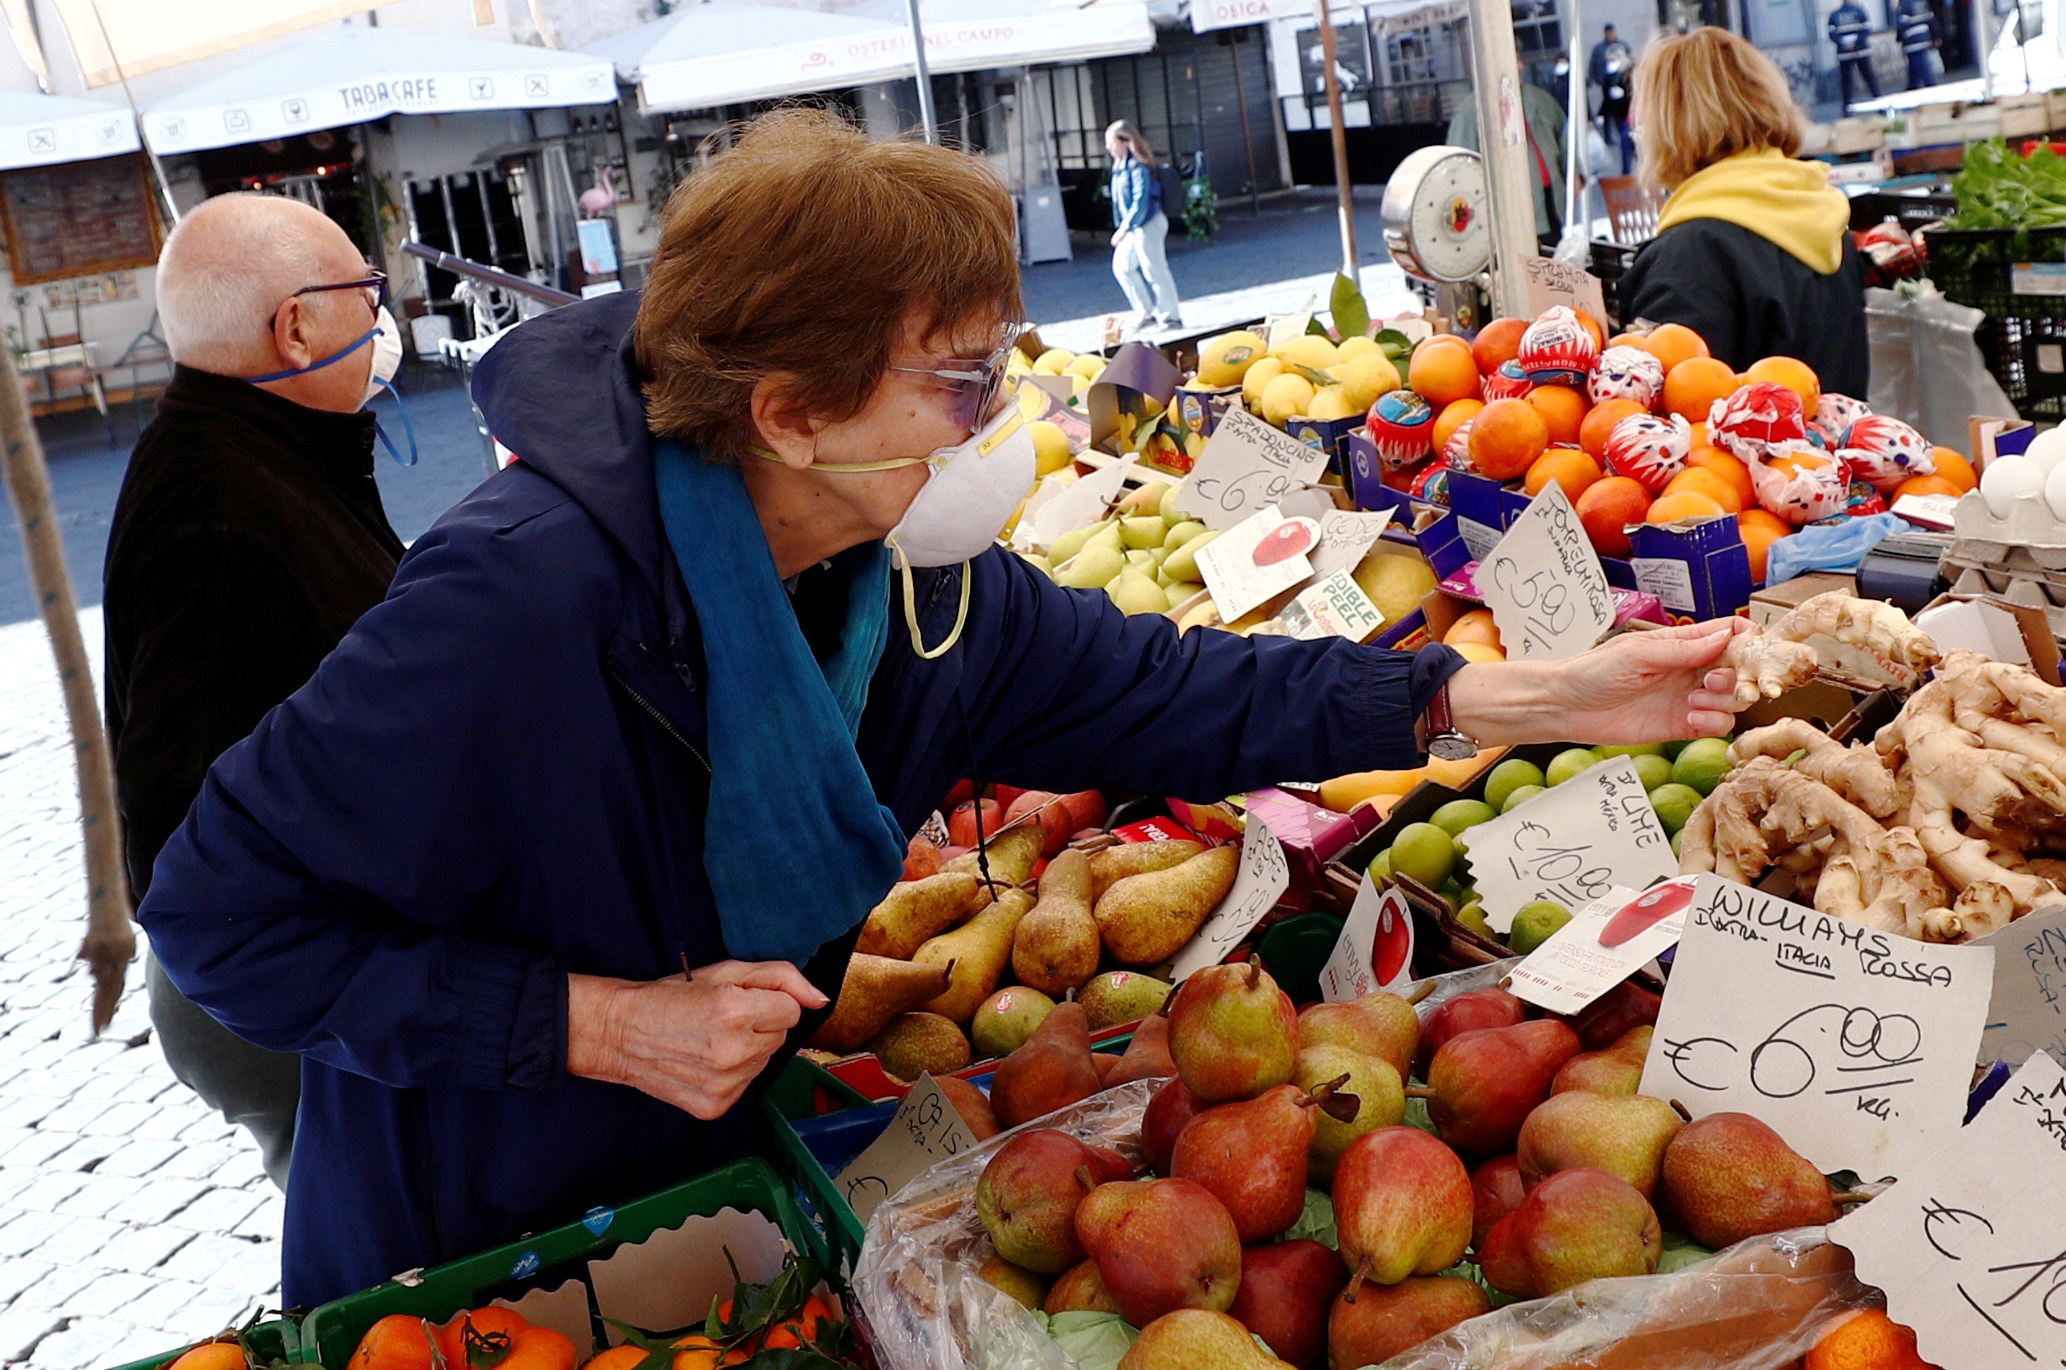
x,y
78,219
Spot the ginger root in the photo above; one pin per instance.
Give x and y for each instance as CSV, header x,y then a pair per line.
x,y
1773,659
1856,772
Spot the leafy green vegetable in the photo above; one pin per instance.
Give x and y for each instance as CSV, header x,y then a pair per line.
x,y
1680,1251
2000,188
1317,1221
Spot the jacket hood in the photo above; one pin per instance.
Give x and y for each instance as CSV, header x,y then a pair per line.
x,y
1789,202
561,391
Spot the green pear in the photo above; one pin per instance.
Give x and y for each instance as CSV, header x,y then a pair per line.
x,y
1108,536
1121,996
1378,1089
915,910
1022,1284
1146,919
1197,1339
1135,592
1622,1134
1140,556
1181,533
1039,563
1091,568
1167,508
1181,590
1143,532
977,953
1184,560
1007,1018
1071,542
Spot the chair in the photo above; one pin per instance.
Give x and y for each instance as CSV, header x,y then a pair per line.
x,y
1632,209
65,362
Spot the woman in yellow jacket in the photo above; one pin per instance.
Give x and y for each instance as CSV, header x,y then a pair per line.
x,y
1753,250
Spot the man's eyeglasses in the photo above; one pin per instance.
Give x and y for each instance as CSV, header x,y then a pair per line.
x,y
975,383
374,286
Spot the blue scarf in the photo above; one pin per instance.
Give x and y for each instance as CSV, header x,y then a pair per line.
x,y
796,849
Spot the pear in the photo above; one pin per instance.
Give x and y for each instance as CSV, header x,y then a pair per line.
x,y
972,1104
1286,1288
1379,1093
1056,946
1622,1134
1399,1026
875,990
1161,1245
1402,1205
1144,531
1135,592
1252,1155
1114,864
1090,568
1022,1284
1079,1289
1183,562
1167,506
1146,919
1232,1032
1196,1339
1497,1188
1170,1110
1007,1018
1147,1055
914,910
1371,1031
1181,590
1108,537
1181,533
1071,542
1615,1070
1052,1070
978,951
1478,1008
1483,1084
1729,1177
1027,1196
1575,1226
915,1043
1372,1323
1143,500
1121,996
1010,856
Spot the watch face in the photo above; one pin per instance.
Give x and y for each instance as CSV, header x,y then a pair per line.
x,y
1452,747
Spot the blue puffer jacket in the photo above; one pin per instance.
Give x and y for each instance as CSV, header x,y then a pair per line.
x,y
1136,193
499,776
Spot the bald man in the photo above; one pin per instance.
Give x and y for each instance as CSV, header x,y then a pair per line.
x,y
248,538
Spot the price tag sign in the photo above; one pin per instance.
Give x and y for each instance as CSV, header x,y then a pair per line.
x,y
1246,464
1279,329
1256,560
1604,943
1551,283
1082,502
1334,606
1571,844
1544,584
1967,1245
1258,885
925,1130
1346,537
934,830
1375,949
2027,1012
1856,1046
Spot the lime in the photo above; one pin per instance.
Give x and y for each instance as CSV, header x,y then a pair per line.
x,y
1381,868
1459,814
1472,916
1521,796
1566,764
1647,749
1678,841
1424,852
1535,922
1674,804
1452,891
1652,771
1508,776
1703,764
1672,749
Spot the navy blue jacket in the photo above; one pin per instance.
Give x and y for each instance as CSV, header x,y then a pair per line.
x,y
1136,193
1850,30
498,778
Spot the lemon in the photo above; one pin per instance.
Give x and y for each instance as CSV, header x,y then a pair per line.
x,y
1260,373
1225,360
1363,378
1050,447
1424,852
1086,366
1395,584
1571,762
1051,362
1508,776
1032,402
1307,349
1703,764
1357,346
1333,402
1286,396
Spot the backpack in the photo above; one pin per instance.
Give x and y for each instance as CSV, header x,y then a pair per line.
x,y
1169,189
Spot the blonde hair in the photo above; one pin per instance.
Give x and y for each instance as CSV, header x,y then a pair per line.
x,y
1705,95
1136,143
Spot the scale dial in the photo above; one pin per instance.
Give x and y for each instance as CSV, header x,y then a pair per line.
x,y
1435,214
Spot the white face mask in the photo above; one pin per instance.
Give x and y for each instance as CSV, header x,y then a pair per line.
x,y
387,354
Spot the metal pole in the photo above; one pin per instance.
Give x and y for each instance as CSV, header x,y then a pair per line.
x,y
1575,200
1345,199
149,152
1255,204
1503,142
926,118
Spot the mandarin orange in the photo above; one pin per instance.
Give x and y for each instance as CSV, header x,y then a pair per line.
x,y
1869,1340
1692,387
1563,409
1568,467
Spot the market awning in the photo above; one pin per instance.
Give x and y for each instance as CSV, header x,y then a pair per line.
x,y
971,35
1384,16
349,75
42,130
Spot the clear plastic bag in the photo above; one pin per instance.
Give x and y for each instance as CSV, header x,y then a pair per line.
x,y
1927,369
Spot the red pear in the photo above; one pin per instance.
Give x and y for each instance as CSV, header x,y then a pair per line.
x,y
1286,1288
1161,1245
1728,1176
1575,1226
1363,1026
1622,1134
1607,1019
1027,1198
1617,1069
1147,1055
1232,1033
1372,1323
1402,1205
1081,1289
1170,1110
1497,1187
1484,1083
1252,1156
1478,1008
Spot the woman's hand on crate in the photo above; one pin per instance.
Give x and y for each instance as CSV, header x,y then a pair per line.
x,y
695,1042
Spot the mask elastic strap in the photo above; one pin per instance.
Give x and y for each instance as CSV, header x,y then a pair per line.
x,y
855,467
911,609
316,366
407,427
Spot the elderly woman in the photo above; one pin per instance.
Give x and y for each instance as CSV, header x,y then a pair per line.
x,y
569,838
1753,250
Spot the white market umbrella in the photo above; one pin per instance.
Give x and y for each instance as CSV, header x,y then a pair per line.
x,y
721,54
972,35
43,130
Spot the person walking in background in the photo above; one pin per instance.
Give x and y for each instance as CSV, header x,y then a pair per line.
x,y
1140,229
1545,151
1851,31
1915,24
1610,68
248,538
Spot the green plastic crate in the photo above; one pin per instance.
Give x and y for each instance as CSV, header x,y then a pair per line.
x,y
791,1098
332,1332
273,1339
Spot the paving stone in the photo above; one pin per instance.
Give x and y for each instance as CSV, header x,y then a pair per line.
x,y
213,1309
101,1195
225,1261
119,1120
218,1210
24,1232
196,1161
66,1278
84,1155
265,1221
76,1240
158,1198
73,1115
242,1168
50,1189
139,1156
108,1295
84,1343
22,1328
15,1276
143,1248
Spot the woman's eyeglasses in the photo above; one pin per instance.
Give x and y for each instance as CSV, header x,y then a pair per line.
x,y
976,384
374,286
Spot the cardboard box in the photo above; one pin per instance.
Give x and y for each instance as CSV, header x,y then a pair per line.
x,y
1197,410
1327,435
2023,116
2032,624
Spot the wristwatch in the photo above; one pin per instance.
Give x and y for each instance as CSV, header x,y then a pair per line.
x,y
1440,739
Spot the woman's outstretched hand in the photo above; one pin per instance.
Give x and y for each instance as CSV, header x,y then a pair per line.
x,y
1639,687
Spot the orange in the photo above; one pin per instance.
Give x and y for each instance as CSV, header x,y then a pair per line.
x,y
1453,417
1592,326
701,1353
396,1342
1692,387
1498,341
1700,437
539,1348
1796,376
1731,471
1607,507
1568,467
1563,409
1793,463
1443,373
1476,626
1954,468
1625,340
1673,343
1764,518
625,1357
1867,1341
1684,504
807,1325
213,1355
1926,485
483,1331
1506,437
1592,434
1700,481
1757,540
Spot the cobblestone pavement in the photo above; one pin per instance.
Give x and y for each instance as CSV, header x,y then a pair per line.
x,y
132,1218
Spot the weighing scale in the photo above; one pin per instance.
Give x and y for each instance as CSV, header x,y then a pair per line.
x,y
1438,230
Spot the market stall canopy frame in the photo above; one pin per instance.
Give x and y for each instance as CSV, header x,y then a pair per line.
x,y
45,130
353,75
1386,17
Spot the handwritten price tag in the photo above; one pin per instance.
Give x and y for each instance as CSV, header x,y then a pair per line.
x,y
1968,1245
1551,283
2028,1010
925,1130
1375,949
1571,844
1856,1046
1258,885
1346,537
1246,465
1603,944
1544,584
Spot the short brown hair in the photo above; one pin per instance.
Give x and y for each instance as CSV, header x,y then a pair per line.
x,y
799,252
1706,95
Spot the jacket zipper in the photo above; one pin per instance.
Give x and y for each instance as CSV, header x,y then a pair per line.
x,y
666,725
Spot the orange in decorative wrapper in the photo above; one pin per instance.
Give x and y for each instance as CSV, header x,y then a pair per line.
x,y
1401,426
1649,449
1558,349
1509,382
